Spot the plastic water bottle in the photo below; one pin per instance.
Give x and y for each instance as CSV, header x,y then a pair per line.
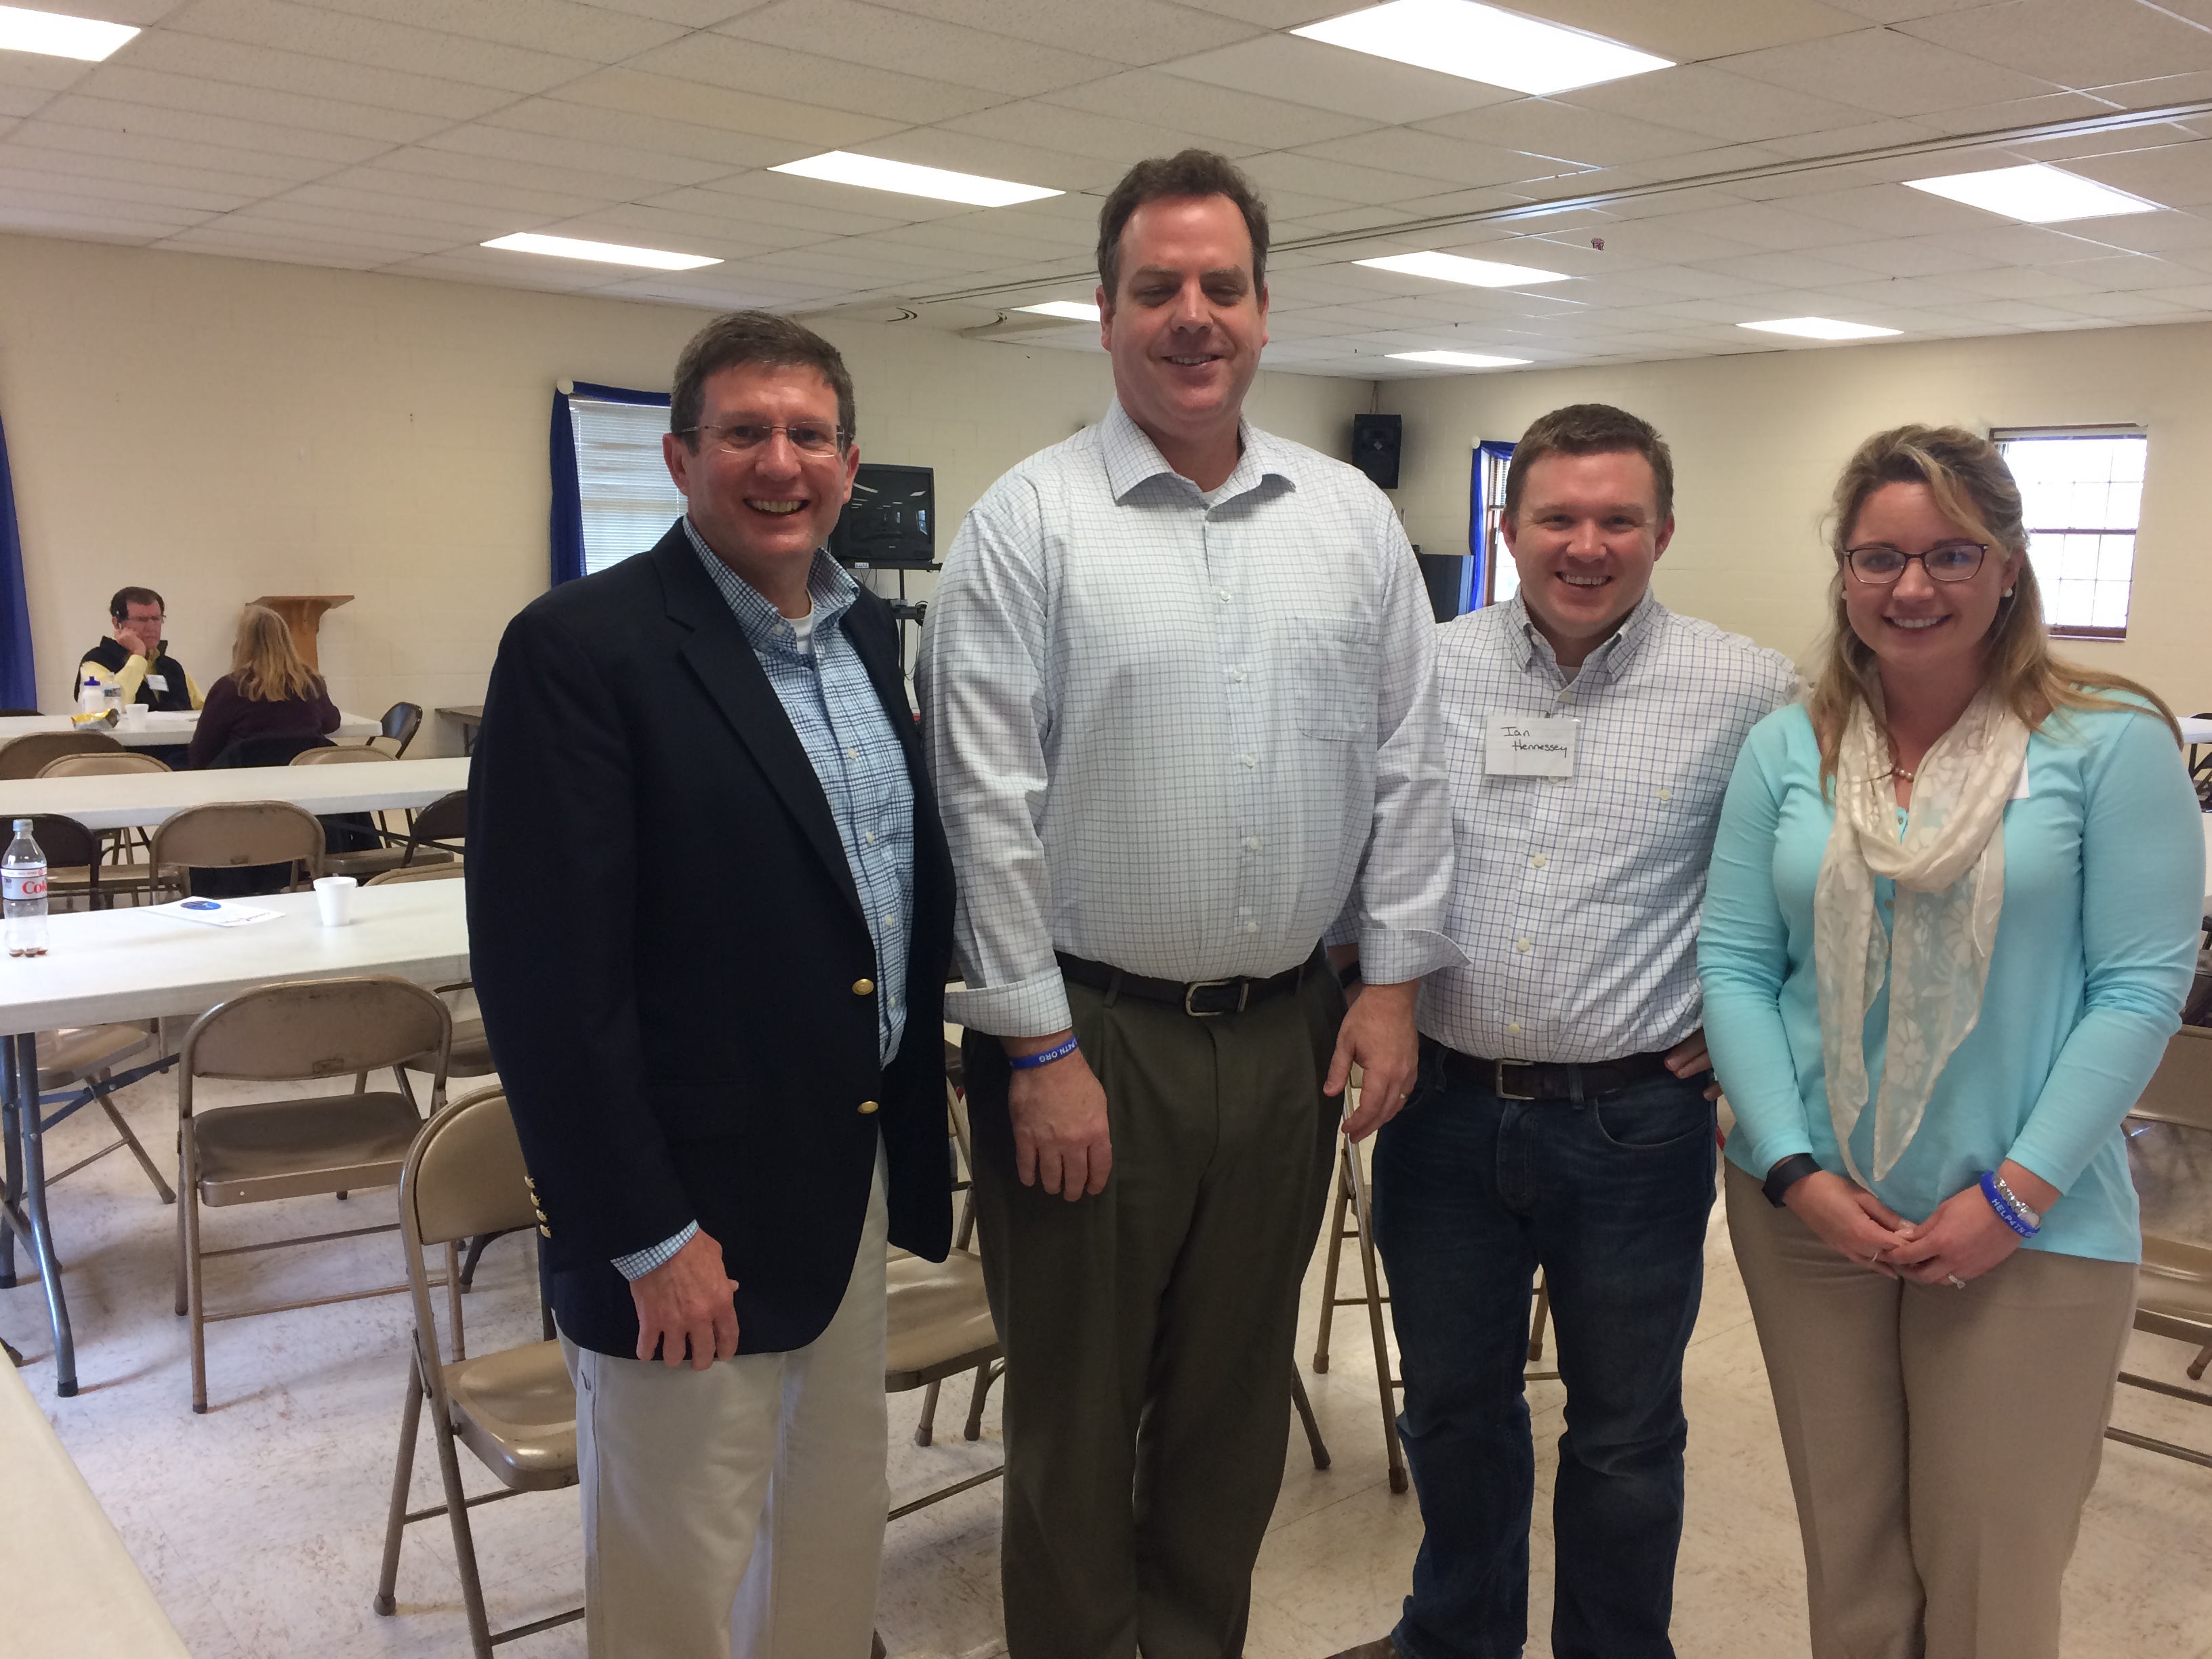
x,y
23,894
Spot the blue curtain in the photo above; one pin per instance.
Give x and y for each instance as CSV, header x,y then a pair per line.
x,y
567,517
18,679
1476,582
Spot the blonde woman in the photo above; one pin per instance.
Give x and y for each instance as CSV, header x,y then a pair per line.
x,y
269,692
1951,918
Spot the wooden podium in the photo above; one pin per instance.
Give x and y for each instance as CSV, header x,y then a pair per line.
x,y
303,614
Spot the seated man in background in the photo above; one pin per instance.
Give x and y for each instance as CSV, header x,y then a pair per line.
x,y
136,657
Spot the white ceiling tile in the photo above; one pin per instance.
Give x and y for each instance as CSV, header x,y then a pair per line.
x,y
370,42
2157,232
853,31
2122,272
1126,31
1889,73
1898,11
379,183
16,102
2025,245
1905,256
1785,269
723,60
72,109
1890,210
2175,176
1451,161
1700,98
126,83
2131,306
2065,149
1660,242
65,165
303,226
777,198
36,71
1221,113
544,150
1271,14
696,103
1846,141
229,61
997,158
2016,112
1335,180
490,265
1545,126
731,235
1764,225
37,217
556,180
183,202
1684,30
2020,314
587,31
1684,282
2153,91
480,221
975,236
273,168
623,128
1330,77
395,220
1080,132
2073,43
278,250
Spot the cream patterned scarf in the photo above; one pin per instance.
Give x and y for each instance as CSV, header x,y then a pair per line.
x,y
1949,866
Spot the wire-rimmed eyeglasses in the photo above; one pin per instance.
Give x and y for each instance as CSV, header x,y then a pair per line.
x,y
807,437
1880,565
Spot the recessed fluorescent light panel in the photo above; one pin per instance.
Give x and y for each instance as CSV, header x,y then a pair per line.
x,y
2041,195
1451,268
1074,310
1820,328
1457,359
1481,43
607,253
53,35
872,173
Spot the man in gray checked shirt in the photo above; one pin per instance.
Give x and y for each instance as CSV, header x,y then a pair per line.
x,y
1177,691
1562,1120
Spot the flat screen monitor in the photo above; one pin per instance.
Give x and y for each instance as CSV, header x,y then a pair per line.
x,y
890,522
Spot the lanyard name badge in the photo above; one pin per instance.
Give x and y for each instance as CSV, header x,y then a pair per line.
x,y
1530,745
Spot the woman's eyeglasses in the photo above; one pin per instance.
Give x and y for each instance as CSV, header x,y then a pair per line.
x,y
1880,565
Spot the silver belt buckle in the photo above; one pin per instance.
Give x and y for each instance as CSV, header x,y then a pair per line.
x,y
1244,996
1499,1081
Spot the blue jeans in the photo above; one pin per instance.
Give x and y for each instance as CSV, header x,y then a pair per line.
x,y
1610,1197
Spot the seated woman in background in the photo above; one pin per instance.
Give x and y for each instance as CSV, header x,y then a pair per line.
x,y
269,692
1961,886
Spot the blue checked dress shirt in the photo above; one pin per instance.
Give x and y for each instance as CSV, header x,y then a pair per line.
x,y
833,706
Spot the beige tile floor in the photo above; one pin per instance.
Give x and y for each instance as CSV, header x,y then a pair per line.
x,y
260,1525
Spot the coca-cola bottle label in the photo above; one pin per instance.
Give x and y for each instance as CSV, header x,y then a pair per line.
x,y
18,885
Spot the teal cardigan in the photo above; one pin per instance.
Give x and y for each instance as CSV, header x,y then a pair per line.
x,y
2103,899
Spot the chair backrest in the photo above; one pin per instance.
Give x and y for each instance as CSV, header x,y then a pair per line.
x,y
321,1028
27,756
67,844
2180,1091
400,723
338,754
444,819
100,762
241,832
12,714
453,870
267,751
465,1175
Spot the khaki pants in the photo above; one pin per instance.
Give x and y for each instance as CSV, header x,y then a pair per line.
x,y
740,1510
1148,1330
1941,1442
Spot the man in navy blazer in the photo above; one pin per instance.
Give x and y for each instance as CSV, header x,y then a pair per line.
x,y
710,912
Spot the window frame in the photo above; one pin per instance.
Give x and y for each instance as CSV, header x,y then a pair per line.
x,y
2002,435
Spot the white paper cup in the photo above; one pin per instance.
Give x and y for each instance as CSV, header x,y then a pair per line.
x,y
334,899
134,717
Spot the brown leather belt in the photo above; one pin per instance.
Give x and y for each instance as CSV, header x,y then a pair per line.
x,y
1205,998
1532,1080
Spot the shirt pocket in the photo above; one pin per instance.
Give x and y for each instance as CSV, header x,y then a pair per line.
x,y
1333,668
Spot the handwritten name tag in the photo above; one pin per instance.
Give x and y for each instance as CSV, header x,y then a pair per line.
x,y
160,683
1530,745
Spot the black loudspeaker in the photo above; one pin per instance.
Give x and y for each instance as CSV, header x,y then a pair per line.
x,y
886,524
1374,447
1442,573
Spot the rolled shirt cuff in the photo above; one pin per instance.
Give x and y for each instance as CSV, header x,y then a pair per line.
x,y
1391,956
638,1263
1028,1008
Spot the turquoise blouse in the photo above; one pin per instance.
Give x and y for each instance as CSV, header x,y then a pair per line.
x,y
2104,893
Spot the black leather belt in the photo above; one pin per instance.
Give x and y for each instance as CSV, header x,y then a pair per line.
x,y
1205,998
1532,1079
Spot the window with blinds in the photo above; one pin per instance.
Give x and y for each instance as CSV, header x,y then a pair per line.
x,y
629,499
2081,488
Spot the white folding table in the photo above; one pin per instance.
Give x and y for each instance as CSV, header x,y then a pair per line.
x,y
138,800
163,728
107,967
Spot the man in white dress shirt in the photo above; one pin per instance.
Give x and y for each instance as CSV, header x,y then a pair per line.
x,y
1178,687
1562,1119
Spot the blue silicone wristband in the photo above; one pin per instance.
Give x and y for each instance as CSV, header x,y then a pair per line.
x,y
2006,1213
1030,1063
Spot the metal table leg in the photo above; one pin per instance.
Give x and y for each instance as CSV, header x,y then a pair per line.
x,y
23,1060
12,1199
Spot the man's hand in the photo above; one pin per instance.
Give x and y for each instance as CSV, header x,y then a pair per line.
x,y
1061,1141
128,635
1378,1037
1688,1057
1850,1220
1965,1238
683,1304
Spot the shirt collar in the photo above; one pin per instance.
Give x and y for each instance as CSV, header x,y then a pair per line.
x,y
1611,659
828,584
1132,458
